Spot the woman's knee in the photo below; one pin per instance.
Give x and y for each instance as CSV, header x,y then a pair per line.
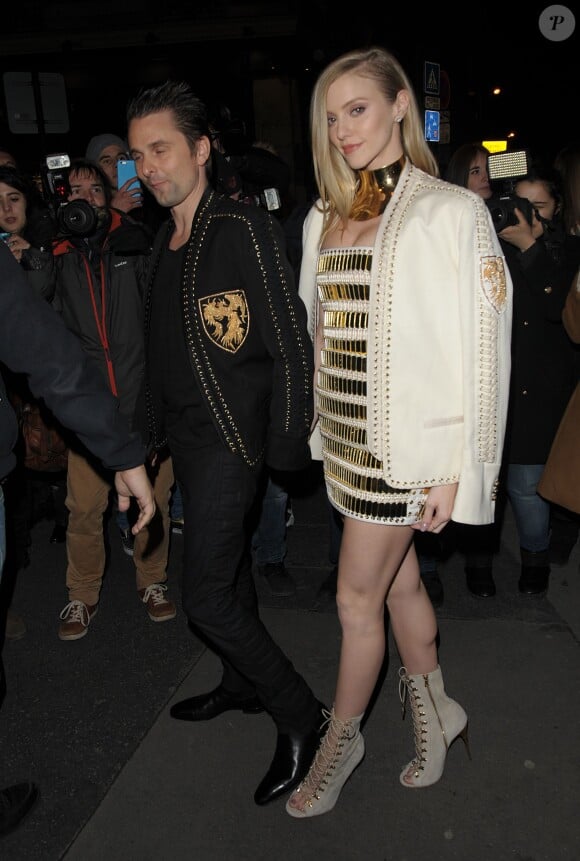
x,y
358,608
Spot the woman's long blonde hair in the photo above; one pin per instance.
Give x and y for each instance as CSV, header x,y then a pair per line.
x,y
336,181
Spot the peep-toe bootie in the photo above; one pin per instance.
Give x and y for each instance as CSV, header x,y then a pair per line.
x,y
341,750
437,722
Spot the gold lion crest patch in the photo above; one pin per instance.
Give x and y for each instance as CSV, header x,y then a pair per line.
x,y
493,282
225,319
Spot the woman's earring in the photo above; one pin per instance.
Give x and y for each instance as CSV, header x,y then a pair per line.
x,y
398,119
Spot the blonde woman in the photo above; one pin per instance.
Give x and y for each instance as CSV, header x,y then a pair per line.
x,y
409,306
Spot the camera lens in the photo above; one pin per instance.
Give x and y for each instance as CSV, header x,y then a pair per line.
x,y
502,212
77,218
498,216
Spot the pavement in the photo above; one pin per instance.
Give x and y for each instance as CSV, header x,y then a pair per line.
x,y
120,780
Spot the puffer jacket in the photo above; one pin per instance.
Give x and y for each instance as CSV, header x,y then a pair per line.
x,y
98,290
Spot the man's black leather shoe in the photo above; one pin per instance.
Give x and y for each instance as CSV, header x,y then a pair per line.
x,y
208,706
292,759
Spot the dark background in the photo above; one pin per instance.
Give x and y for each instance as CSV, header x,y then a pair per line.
x,y
106,51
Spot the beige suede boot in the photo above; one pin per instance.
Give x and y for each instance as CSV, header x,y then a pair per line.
x,y
437,722
341,750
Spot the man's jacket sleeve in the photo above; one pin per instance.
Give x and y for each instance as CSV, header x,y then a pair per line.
x,y
35,341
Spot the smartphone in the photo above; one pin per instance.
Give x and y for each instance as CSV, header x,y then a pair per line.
x,y
126,170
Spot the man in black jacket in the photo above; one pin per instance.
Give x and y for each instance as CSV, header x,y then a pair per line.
x,y
34,341
229,368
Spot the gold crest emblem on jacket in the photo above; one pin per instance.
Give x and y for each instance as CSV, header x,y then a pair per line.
x,y
226,319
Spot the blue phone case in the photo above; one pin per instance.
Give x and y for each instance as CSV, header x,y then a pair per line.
x,y
126,170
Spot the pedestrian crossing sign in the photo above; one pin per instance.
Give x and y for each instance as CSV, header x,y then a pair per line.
x,y
432,78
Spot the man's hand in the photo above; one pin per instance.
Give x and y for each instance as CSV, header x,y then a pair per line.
x,y
135,482
126,200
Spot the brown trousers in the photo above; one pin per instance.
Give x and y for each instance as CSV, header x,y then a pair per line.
x,y
88,493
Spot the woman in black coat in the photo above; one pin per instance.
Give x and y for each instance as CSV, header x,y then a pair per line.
x,y
542,261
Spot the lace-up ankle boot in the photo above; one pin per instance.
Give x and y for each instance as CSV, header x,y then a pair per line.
x,y
437,722
341,750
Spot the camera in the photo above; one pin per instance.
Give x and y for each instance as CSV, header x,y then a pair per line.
x,y
72,218
259,176
502,210
268,199
508,167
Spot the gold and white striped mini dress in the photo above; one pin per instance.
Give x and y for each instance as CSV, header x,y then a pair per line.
x,y
354,478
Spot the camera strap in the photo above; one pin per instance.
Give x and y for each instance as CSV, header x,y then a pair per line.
x,y
101,323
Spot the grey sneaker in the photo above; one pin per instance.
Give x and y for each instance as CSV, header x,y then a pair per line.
x,y
127,541
277,579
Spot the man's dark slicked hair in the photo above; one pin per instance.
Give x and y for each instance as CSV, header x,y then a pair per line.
x,y
189,111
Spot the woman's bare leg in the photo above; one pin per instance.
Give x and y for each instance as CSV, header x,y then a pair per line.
x,y
377,561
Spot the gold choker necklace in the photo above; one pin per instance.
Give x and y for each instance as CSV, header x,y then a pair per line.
x,y
375,188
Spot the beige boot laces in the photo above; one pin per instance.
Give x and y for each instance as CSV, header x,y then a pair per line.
x,y
407,688
420,722
326,759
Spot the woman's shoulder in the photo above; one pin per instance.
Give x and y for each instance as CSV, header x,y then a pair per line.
x,y
448,190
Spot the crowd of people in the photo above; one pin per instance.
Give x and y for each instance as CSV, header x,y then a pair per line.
x,y
224,366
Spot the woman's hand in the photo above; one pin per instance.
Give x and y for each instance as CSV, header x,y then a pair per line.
x,y
17,245
437,509
523,234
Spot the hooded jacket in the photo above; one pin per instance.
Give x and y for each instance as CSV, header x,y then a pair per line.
x,y
98,291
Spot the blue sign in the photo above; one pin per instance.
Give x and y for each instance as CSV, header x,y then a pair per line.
x,y
432,126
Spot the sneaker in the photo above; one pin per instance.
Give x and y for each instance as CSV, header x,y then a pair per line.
x,y
177,525
127,541
277,579
15,626
158,607
76,618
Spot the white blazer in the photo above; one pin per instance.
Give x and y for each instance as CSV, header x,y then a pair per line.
x,y
438,350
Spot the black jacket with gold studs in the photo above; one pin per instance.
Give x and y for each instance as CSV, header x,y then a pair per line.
x,y
246,334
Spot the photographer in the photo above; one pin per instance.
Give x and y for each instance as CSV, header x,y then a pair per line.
x,y
542,263
100,263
